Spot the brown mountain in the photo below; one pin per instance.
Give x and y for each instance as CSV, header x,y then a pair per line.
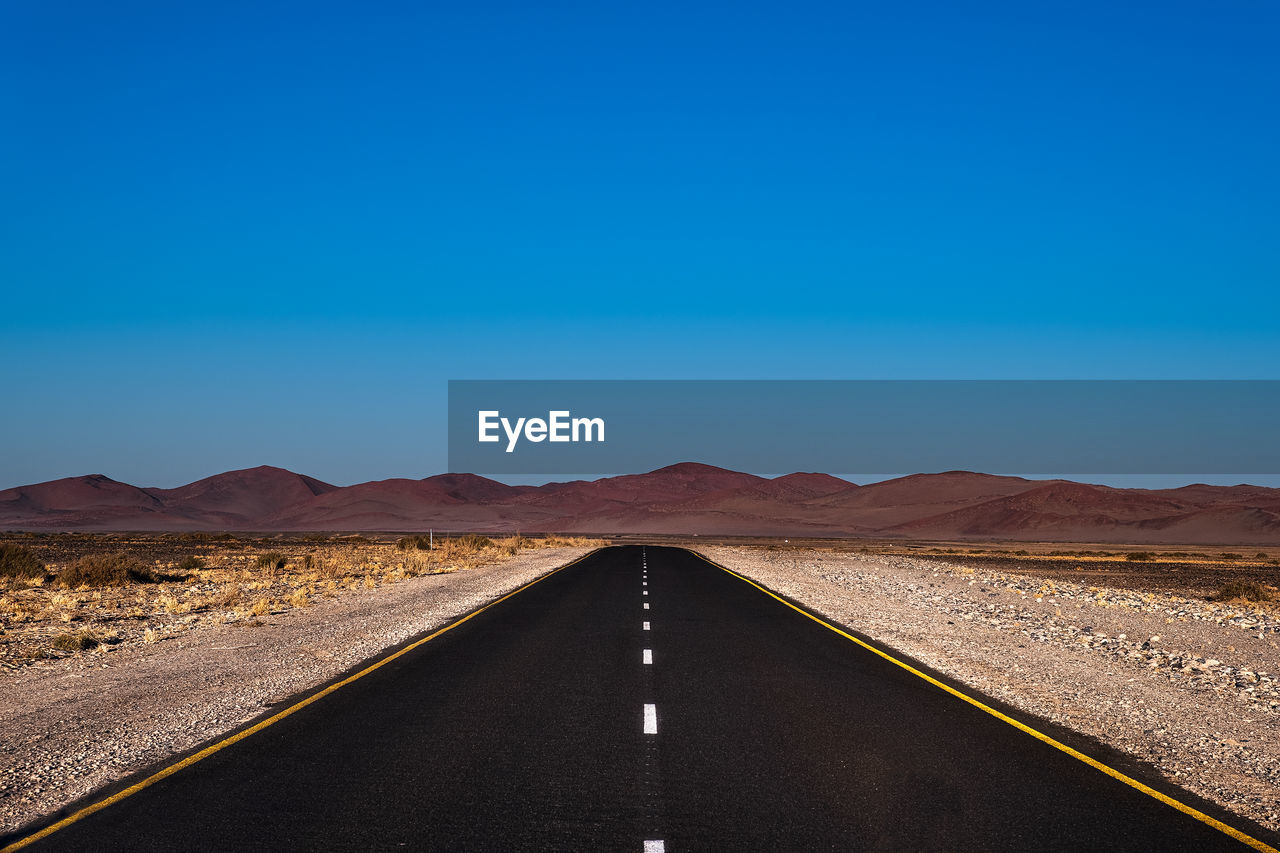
x,y
687,498
672,483
888,503
1055,510
1066,511
81,502
804,485
446,501
246,494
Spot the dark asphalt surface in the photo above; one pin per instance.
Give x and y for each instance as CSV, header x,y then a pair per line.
x,y
522,729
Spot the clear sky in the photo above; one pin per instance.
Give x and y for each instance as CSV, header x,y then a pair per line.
x,y
267,233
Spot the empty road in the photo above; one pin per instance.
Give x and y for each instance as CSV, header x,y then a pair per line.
x,y
641,699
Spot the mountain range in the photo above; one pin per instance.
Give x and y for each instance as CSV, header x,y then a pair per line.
x,y
685,499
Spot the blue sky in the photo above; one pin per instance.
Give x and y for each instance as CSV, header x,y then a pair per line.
x,y
244,233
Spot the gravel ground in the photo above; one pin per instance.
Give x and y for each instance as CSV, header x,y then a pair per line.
x,y
70,726
1188,686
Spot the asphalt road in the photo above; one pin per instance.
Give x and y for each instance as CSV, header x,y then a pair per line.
x,y
529,727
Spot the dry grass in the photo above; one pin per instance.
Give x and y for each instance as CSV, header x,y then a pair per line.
x,y
141,589
271,562
571,542
19,562
1247,591
115,569
76,642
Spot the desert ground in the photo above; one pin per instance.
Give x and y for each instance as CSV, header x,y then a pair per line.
x,y
101,592
121,650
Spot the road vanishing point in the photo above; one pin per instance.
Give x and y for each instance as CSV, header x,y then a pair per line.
x,y
643,699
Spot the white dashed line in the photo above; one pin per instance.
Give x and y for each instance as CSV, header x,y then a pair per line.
x,y
651,719
648,656
646,626
646,592
646,605
655,847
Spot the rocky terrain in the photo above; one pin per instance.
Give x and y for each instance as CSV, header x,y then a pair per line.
x,y
1188,686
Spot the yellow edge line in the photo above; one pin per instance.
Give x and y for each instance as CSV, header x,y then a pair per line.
x,y
1092,762
239,736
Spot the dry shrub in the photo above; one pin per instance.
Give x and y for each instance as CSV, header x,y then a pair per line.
x,y
300,599
75,642
417,564
191,563
229,597
271,562
330,567
573,542
106,570
1244,591
469,543
19,562
513,545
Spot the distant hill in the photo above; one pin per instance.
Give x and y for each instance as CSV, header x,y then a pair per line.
x,y
686,498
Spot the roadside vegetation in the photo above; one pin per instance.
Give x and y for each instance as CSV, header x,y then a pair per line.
x,y
1245,591
64,594
75,642
20,563
115,569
